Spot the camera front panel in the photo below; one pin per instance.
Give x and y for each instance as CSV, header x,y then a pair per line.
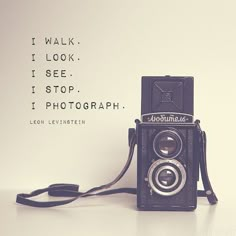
x,y
167,167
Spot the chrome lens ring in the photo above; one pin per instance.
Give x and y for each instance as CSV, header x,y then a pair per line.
x,y
172,165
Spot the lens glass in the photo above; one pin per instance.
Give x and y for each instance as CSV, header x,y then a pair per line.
x,y
167,145
166,177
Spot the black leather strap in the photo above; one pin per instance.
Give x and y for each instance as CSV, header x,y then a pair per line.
x,y
64,190
72,190
208,190
24,199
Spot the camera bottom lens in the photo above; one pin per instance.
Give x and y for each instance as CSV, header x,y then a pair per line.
x,y
166,177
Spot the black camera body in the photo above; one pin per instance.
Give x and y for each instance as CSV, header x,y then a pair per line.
x,y
168,166
169,146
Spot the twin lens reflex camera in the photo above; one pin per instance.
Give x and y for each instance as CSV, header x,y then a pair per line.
x,y
170,147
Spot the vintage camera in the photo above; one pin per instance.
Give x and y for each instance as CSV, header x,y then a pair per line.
x,y
170,147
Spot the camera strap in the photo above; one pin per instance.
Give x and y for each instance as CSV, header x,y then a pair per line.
x,y
208,190
72,190
72,193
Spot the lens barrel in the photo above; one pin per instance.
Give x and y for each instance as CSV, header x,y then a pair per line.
x,y
166,177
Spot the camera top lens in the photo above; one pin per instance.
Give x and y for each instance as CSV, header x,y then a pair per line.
x,y
167,144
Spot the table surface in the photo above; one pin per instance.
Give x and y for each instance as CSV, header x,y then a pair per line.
x,y
113,215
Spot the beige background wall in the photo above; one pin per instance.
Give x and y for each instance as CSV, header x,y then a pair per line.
x,y
119,42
